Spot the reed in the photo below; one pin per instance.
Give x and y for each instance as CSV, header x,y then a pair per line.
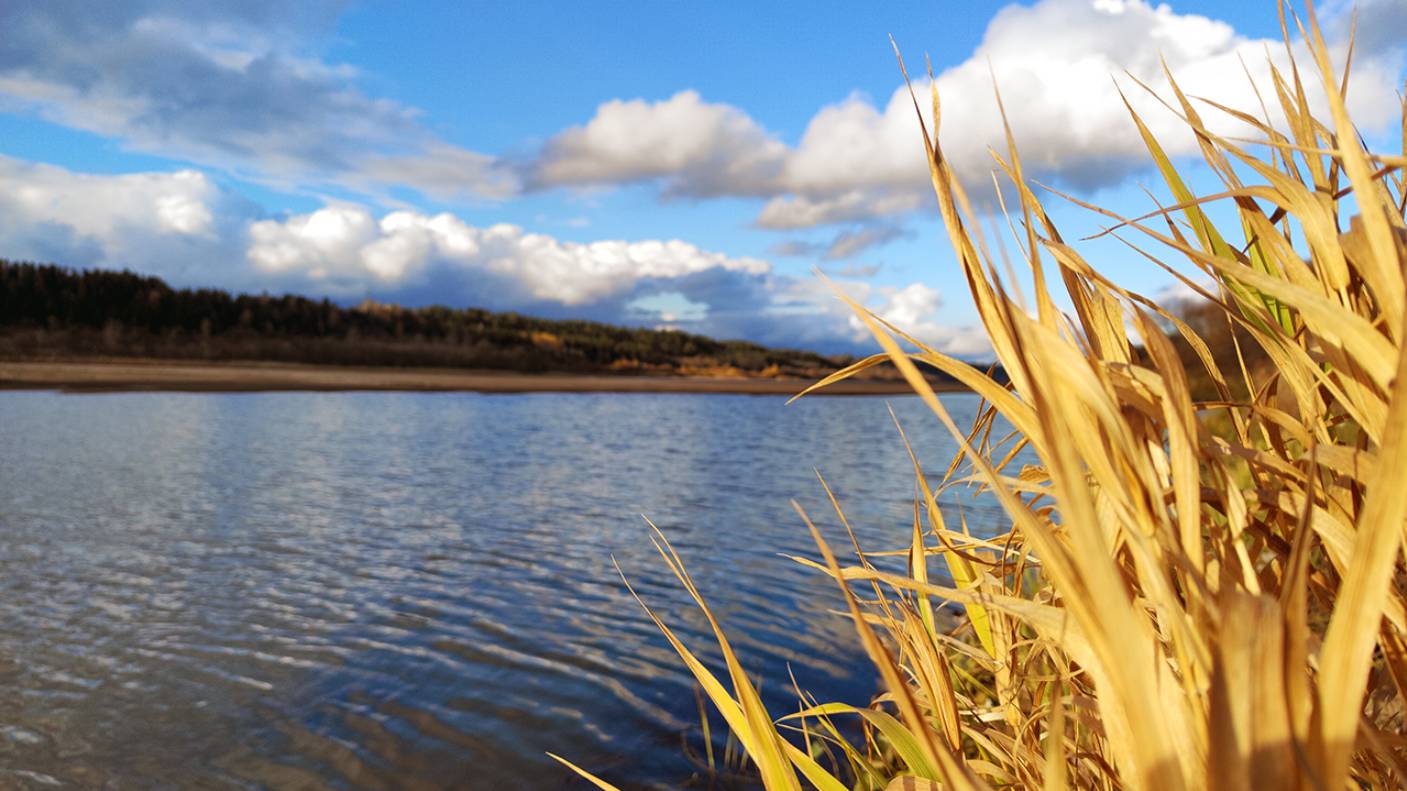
x,y
1193,592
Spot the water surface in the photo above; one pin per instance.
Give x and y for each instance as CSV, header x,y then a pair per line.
x,y
367,590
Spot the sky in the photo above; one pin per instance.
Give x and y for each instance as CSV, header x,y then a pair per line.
x,y
687,165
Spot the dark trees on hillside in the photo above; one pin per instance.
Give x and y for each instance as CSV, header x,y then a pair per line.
x,y
48,311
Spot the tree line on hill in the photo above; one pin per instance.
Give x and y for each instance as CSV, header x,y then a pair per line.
x,y
49,311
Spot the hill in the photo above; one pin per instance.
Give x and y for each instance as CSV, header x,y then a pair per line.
x,y
52,312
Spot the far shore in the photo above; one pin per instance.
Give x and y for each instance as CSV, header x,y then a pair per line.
x,y
198,376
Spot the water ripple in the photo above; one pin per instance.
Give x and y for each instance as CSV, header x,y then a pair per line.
x,y
412,590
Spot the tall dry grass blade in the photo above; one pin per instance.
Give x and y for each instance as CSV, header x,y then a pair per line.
x,y
593,779
937,763
1201,583
1349,641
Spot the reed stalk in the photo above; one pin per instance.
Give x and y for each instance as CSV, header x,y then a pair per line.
x,y
1195,590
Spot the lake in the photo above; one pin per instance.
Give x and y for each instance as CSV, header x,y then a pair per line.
x,y
402,590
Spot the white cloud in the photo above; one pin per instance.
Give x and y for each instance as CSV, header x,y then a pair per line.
x,y
439,170
184,213
160,222
176,203
345,250
1056,63
227,86
183,227
233,87
341,244
801,211
698,149
173,224
917,310
326,241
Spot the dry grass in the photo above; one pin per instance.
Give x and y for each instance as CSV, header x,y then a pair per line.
x,y
1191,594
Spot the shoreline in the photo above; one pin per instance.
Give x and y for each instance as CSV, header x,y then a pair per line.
x,y
143,375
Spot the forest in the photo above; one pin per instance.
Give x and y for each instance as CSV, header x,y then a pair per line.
x,y
53,312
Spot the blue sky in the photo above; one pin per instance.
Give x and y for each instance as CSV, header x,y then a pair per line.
x,y
665,164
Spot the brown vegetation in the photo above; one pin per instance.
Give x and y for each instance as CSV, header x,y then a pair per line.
x,y
47,312
1200,588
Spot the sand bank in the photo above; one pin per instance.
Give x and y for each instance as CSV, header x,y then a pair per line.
x,y
163,375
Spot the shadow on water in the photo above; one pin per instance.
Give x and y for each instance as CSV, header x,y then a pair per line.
x,y
411,590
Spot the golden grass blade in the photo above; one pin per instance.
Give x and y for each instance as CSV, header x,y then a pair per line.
x,y
1353,628
963,572
1102,607
946,766
812,771
1054,777
899,737
1181,424
765,744
1252,745
910,783
843,374
593,779
1191,592
1383,268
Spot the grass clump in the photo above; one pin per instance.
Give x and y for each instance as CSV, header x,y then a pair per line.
x,y
1195,591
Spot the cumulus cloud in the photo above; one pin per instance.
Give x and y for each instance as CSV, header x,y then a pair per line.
x,y
415,258
698,149
233,86
184,227
1055,61
225,85
917,310
163,223
161,203
346,247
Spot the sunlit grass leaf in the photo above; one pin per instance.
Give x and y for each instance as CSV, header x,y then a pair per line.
x,y
1198,580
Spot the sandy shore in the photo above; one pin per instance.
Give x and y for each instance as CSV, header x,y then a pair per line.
x,y
162,375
